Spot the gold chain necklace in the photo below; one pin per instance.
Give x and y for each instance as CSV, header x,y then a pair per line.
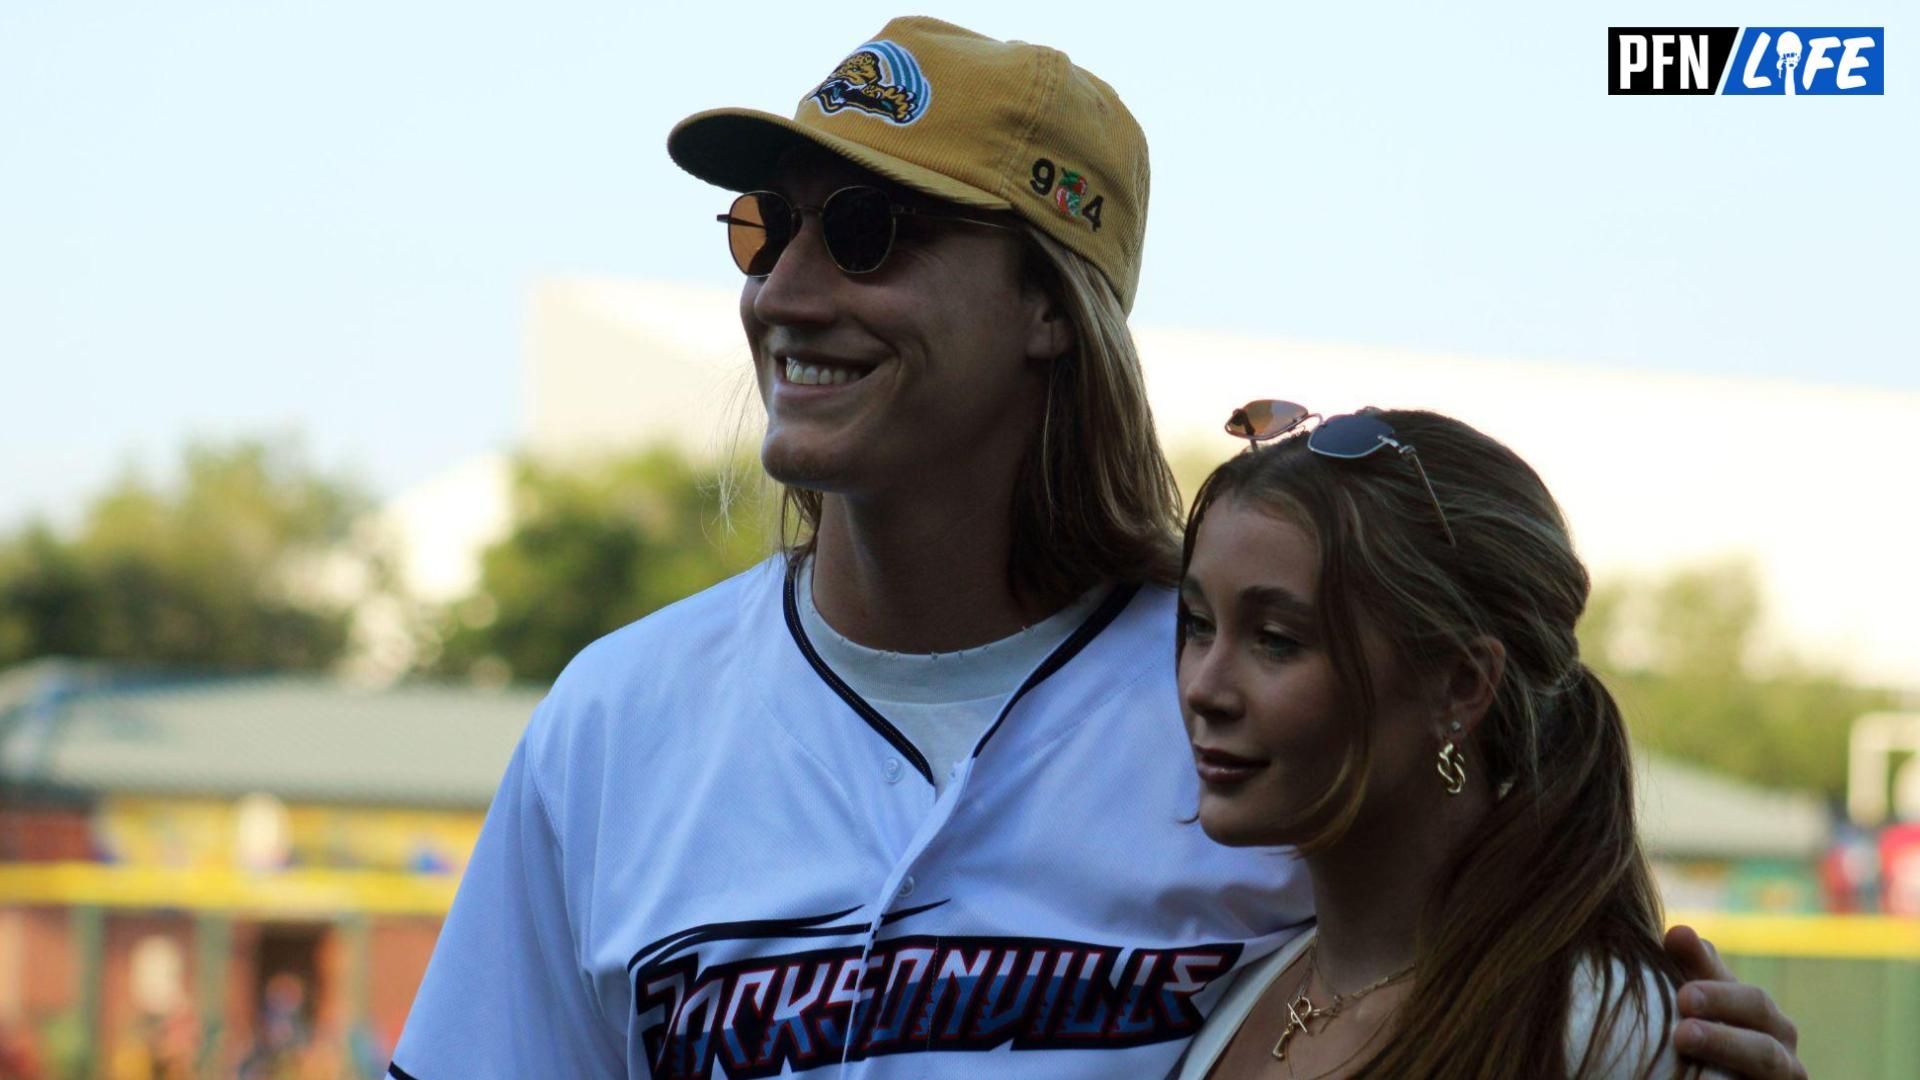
x,y
1301,1010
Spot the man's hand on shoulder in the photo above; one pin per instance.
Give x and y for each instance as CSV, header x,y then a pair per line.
x,y
1727,1023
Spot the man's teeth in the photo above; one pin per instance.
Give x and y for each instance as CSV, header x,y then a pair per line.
x,y
820,374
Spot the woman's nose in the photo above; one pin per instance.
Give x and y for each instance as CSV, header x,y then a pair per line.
x,y
1206,685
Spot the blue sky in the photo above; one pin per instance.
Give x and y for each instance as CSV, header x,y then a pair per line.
x,y
230,218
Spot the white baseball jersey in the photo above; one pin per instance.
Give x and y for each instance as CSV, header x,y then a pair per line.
x,y
710,858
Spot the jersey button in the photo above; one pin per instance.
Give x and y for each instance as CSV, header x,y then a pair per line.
x,y
906,886
892,770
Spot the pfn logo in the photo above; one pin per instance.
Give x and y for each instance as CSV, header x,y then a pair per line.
x,y
1789,60
1668,59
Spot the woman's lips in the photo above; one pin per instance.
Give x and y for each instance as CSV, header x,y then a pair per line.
x,y
1220,767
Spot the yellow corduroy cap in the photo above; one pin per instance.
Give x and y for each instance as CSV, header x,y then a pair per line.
x,y
1001,125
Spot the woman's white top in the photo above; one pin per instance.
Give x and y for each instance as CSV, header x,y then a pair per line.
x,y
1629,1048
1225,1020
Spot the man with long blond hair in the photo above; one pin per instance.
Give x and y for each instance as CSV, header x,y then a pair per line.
x,y
906,799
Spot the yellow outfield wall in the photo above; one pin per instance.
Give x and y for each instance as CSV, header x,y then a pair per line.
x,y
328,891
1865,937
298,892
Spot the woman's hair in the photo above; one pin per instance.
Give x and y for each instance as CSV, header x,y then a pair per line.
x,y
1553,877
1094,500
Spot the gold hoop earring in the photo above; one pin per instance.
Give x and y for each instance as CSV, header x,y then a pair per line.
x,y
1453,768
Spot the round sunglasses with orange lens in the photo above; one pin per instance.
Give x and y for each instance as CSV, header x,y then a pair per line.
x,y
1258,421
859,225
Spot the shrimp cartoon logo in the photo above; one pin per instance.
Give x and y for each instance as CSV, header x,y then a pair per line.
x,y
880,79
1070,193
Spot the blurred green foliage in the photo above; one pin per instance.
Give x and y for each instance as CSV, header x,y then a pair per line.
x,y
1684,657
594,547
216,572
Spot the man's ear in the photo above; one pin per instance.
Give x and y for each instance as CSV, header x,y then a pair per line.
x,y
1049,330
1471,682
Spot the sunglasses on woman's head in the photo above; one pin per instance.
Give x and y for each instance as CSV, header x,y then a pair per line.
x,y
859,225
1350,436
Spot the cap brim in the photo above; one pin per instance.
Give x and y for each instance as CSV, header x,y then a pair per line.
x,y
740,149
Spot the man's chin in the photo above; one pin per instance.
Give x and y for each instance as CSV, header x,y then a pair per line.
x,y
800,466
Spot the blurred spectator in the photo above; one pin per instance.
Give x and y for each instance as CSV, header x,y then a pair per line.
x,y
160,1048
282,1036
1900,869
1850,872
19,1052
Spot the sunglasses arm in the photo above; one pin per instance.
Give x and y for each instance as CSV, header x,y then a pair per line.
x,y
1408,452
934,215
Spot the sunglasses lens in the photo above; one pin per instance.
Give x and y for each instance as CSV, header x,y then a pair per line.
x,y
1265,419
858,223
758,227
1352,436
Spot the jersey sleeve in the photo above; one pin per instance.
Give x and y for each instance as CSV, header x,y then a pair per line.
x,y
505,994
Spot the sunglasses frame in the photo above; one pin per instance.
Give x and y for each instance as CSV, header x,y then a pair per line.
x,y
1240,424
796,214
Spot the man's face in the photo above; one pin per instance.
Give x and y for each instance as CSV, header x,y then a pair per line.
x,y
900,380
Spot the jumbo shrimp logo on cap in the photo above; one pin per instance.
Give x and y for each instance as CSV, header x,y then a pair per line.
x,y
880,79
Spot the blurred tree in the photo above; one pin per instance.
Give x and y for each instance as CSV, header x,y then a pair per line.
x,y
592,549
44,608
216,574
1682,655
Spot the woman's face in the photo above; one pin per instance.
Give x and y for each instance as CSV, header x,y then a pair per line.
x,y
1262,702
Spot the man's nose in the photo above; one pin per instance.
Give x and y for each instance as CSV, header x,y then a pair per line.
x,y
800,287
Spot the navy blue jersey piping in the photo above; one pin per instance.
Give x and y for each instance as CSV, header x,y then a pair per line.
x,y
1109,610
1102,617
859,704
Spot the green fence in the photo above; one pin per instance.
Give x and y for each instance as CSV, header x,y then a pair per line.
x,y
1859,1019
1850,983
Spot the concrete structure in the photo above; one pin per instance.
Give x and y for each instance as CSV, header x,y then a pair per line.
x,y
1874,745
614,364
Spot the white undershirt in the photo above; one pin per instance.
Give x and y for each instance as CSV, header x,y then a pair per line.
x,y
941,702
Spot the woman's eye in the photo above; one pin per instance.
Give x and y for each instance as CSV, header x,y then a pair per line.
x,y
1276,643
1198,626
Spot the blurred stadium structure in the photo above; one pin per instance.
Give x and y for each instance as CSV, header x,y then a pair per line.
x,y
199,848
1878,741
194,869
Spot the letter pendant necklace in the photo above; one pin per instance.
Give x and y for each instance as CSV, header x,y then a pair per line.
x,y
1301,1011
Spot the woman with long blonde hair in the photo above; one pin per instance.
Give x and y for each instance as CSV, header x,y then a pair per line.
x,y
1377,666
